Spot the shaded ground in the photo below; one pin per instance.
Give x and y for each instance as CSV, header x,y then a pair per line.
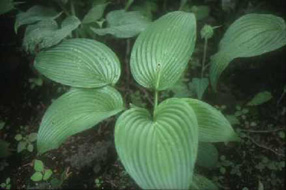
x,y
88,160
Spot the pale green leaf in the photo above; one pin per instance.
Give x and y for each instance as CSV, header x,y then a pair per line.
x,y
158,152
250,35
94,13
207,155
202,183
22,145
213,126
260,98
30,148
260,185
74,112
232,119
34,14
37,176
161,53
8,180
2,125
38,166
18,137
200,85
32,137
6,6
48,173
79,63
122,24
46,33
146,8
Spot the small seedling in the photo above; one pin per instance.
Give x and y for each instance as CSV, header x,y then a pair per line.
x,y
26,142
7,184
98,182
35,82
40,172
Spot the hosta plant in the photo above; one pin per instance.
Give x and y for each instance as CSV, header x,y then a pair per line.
x,y
157,147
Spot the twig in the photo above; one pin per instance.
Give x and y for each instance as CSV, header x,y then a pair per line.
x,y
262,131
265,147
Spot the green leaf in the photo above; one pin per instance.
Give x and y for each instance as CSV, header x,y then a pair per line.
x,y
37,176
18,137
128,4
158,152
232,119
79,63
161,53
30,148
6,6
207,155
32,137
94,13
2,125
34,14
202,183
46,33
74,112
4,149
122,24
260,98
201,12
200,86
250,35
48,173
213,126
38,166
8,180
3,185
22,145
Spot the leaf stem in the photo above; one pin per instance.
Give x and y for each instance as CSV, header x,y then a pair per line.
x,y
204,57
155,99
74,14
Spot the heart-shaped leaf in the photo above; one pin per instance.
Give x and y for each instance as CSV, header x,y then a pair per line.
x,y
79,63
162,51
213,126
76,111
159,152
250,35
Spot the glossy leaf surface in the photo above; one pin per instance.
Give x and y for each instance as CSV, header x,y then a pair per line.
x,y
79,63
158,153
213,126
74,112
161,53
250,35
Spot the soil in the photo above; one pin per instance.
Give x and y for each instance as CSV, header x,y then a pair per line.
x,y
91,155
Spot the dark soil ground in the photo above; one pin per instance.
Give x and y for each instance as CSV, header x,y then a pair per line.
x,y
89,160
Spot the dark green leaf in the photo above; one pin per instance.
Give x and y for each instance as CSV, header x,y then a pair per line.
x,y
200,85
202,183
46,33
4,149
6,6
34,14
207,155
94,13
122,24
